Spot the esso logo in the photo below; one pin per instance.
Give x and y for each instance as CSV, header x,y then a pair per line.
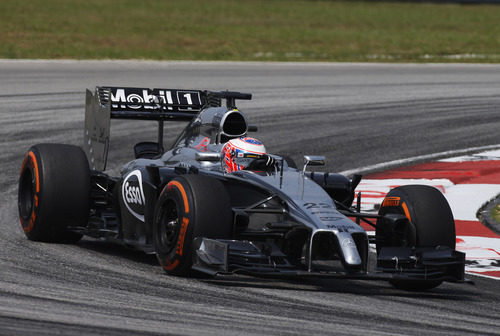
x,y
133,194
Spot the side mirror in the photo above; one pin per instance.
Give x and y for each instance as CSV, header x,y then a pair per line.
x,y
208,156
313,160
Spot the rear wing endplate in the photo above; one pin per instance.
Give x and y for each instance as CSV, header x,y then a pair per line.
x,y
96,133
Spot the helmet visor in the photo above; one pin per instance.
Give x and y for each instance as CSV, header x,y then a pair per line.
x,y
244,159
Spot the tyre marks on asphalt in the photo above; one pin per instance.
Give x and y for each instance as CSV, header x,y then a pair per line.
x,y
346,136
93,288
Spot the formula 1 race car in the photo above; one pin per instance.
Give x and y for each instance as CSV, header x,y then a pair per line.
x,y
196,216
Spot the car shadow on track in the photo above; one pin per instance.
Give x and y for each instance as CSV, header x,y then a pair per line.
x,y
447,291
118,251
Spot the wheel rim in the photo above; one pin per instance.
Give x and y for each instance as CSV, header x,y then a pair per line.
x,y
407,238
26,194
168,227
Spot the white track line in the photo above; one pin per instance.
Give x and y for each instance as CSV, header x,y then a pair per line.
x,y
401,162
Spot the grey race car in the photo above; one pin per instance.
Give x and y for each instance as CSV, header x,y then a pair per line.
x,y
182,206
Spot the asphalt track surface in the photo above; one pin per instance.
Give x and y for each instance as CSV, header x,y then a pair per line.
x,y
356,115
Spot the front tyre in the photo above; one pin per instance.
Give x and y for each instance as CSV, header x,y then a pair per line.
x,y
189,206
431,224
54,192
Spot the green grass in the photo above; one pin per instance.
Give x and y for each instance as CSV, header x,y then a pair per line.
x,y
495,213
253,30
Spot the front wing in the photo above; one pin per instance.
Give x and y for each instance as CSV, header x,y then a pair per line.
x,y
212,256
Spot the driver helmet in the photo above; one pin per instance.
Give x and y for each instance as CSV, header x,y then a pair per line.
x,y
239,153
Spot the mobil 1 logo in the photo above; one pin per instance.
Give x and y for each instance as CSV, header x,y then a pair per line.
x,y
138,99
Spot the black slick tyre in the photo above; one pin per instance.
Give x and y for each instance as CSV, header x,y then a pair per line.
x,y
431,224
189,206
54,192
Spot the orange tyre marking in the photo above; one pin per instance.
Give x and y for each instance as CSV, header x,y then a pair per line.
x,y
182,235
183,193
34,163
407,212
31,223
184,224
171,266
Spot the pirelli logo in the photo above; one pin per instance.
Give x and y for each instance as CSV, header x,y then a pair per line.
x,y
391,202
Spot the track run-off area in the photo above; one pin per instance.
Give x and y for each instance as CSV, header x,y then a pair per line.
x,y
357,115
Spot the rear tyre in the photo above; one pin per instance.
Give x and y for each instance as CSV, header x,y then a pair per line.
x,y
189,206
431,224
54,192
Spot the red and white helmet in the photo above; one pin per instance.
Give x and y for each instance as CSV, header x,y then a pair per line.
x,y
239,153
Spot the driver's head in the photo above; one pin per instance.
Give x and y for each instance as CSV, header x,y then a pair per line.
x,y
239,153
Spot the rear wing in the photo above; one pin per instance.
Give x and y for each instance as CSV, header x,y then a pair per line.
x,y
108,103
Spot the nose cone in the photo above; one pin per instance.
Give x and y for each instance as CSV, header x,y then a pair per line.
x,y
349,249
342,244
